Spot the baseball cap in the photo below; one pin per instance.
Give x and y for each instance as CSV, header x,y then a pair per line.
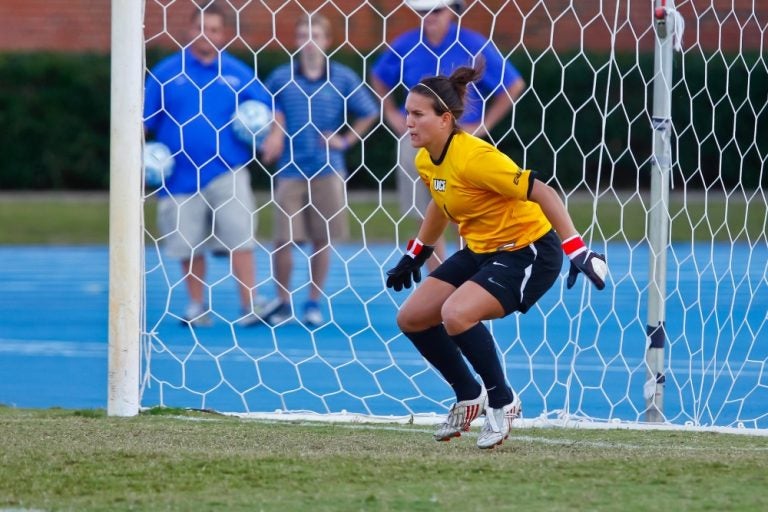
x,y
429,5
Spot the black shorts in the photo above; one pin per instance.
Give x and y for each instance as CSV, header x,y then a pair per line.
x,y
516,278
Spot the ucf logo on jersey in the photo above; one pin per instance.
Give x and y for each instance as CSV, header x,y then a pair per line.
x,y
438,185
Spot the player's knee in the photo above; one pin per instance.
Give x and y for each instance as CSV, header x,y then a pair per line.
x,y
409,320
456,318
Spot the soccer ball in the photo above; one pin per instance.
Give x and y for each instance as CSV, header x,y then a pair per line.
x,y
158,163
251,121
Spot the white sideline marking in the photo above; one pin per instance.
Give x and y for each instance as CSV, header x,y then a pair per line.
x,y
553,441
555,419
512,439
53,348
87,349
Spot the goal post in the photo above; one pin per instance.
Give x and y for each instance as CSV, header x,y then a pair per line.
x,y
665,24
125,206
677,338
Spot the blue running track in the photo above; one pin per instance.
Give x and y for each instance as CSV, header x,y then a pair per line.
x,y
580,351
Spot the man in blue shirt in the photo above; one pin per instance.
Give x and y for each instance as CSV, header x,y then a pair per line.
x,y
325,108
438,47
207,201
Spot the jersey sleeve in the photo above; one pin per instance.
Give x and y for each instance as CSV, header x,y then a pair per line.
x,y
490,169
389,67
420,161
253,88
257,91
153,93
151,102
498,72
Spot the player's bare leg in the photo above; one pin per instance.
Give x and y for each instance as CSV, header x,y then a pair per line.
x,y
279,310
194,277
319,263
244,270
422,309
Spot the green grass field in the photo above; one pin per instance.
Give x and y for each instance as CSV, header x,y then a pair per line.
x,y
29,218
83,460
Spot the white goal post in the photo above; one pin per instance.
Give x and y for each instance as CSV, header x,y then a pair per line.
x,y
125,204
658,146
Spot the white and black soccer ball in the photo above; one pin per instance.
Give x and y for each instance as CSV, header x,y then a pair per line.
x,y
158,163
251,122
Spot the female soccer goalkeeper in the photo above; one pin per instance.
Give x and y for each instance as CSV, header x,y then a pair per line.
x,y
512,255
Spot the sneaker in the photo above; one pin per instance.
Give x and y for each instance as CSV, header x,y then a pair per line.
x,y
197,315
313,317
276,312
461,416
254,317
498,422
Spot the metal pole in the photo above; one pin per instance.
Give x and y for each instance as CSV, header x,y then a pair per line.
x,y
125,240
658,215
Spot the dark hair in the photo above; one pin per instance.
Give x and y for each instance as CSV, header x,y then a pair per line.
x,y
448,93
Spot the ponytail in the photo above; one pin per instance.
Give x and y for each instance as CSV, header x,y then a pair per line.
x,y
449,93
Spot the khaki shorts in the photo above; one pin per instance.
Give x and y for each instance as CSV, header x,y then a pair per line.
x,y
412,194
312,209
220,217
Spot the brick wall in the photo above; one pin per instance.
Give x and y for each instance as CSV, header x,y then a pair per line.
x,y
84,25
54,25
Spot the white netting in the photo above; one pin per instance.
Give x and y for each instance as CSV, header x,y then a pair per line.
x,y
585,122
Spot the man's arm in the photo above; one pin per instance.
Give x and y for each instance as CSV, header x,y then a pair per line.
x,y
357,131
274,143
498,107
501,104
392,114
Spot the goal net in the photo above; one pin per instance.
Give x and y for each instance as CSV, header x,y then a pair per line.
x,y
650,118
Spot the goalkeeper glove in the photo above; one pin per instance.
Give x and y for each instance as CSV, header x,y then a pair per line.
x,y
409,266
591,264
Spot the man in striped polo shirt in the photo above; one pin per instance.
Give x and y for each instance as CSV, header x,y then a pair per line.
x,y
314,98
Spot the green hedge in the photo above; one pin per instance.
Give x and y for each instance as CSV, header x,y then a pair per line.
x,y
54,113
54,110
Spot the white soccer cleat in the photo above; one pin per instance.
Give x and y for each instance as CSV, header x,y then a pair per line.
x,y
498,422
461,416
197,315
313,317
276,312
254,317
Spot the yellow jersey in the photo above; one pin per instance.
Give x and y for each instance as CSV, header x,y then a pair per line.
x,y
483,191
